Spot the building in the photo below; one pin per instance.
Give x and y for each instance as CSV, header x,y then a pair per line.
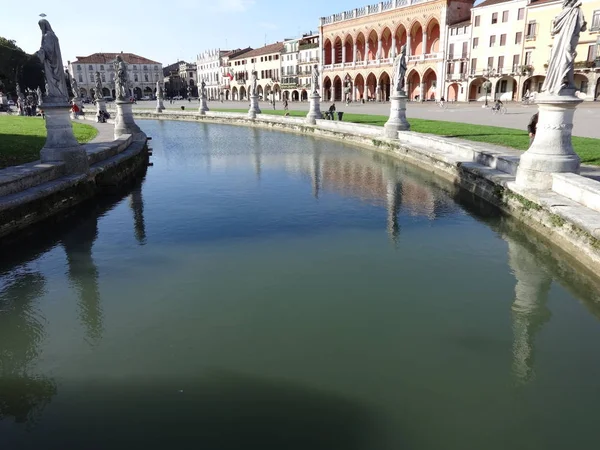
x,y
143,73
289,69
538,43
227,77
360,45
498,34
174,86
458,45
308,56
267,63
210,71
189,78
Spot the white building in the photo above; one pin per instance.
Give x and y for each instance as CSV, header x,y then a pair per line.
x,y
267,63
308,56
289,69
457,61
227,77
143,73
209,65
189,78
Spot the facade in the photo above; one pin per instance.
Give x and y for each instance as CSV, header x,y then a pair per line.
x,y
308,56
189,78
457,56
359,47
227,77
289,69
498,35
173,83
267,63
538,42
143,74
209,66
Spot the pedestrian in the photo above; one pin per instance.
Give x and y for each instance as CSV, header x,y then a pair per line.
x,y
285,104
532,127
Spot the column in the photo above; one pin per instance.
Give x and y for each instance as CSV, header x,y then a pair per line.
x,y
366,55
393,49
343,55
354,55
408,45
423,92
379,49
424,43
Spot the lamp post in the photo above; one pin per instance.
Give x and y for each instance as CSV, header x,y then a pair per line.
x,y
487,85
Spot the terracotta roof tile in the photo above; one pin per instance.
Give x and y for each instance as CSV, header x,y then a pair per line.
x,y
266,50
104,58
491,2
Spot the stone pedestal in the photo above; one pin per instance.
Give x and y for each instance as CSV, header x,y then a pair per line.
x,y
124,123
160,106
100,106
314,110
397,121
254,109
551,151
61,144
203,106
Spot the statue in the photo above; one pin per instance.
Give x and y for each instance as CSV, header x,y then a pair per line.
x,y
39,95
254,85
566,28
400,71
49,55
159,91
98,87
75,88
121,79
202,88
315,80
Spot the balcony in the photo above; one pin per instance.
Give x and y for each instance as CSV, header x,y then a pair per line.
x,y
458,76
530,37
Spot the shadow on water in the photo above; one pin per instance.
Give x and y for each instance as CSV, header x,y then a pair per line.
x,y
218,410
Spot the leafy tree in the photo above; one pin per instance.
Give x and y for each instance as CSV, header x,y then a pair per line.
x,y
16,66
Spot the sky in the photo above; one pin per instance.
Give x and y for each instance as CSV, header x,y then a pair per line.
x,y
161,30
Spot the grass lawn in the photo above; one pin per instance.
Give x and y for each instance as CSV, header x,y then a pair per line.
x,y
22,138
588,149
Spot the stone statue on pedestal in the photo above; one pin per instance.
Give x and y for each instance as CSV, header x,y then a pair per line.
x,y
49,55
159,90
314,86
39,95
565,29
398,83
75,88
202,89
254,83
98,87
121,79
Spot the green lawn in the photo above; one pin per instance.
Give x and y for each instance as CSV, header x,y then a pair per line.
x,y
22,138
588,149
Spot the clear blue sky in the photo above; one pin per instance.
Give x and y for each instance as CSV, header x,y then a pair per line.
x,y
163,30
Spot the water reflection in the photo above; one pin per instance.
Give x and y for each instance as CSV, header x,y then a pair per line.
x,y
256,152
23,395
394,198
136,203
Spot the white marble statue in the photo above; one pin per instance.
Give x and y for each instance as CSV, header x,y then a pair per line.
x,y
314,87
159,90
566,28
98,87
121,79
75,88
254,83
50,56
202,88
400,71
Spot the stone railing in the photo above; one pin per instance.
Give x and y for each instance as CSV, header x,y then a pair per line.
x,y
438,55
328,67
368,10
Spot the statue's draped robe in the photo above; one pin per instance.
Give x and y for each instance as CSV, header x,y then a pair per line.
x,y
53,66
566,29
399,72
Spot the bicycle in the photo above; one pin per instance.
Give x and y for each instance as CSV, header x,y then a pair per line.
x,y
443,105
499,109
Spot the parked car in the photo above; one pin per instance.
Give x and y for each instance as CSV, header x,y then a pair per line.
x,y
11,103
178,97
146,97
108,98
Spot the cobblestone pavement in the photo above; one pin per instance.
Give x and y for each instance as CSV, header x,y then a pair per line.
x,y
587,116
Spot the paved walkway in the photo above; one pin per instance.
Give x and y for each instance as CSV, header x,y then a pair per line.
x,y
587,116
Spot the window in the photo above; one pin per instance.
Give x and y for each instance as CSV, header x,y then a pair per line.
x,y
515,65
103,77
500,63
502,40
101,66
490,64
528,58
146,77
477,20
90,67
592,52
505,16
531,29
451,68
465,47
78,67
134,67
503,86
145,67
475,42
521,14
80,78
518,38
451,51
473,65
494,18
492,41
595,21
155,67
584,87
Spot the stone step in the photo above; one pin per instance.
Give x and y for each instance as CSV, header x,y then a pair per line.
x,y
18,178
582,190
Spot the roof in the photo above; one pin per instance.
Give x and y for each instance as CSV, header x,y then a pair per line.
x,y
491,2
104,58
237,52
462,23
266,50
542,2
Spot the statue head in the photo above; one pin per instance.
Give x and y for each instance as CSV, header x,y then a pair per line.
x,y
119,59
45,26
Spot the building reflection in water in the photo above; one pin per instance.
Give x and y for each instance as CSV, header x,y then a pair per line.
x,y
257,156
529,309
316,169
136,203
23,396
394,202
83,274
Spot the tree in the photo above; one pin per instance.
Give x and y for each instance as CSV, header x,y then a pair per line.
x,y
16,66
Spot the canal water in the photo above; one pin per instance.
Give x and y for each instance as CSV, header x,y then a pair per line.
x,y
261,290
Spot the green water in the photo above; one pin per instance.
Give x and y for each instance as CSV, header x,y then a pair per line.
x,y
272,291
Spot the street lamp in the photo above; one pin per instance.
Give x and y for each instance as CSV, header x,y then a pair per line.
x,y
487,85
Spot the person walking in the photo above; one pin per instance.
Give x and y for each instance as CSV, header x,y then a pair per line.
x,y
532,127
285,104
